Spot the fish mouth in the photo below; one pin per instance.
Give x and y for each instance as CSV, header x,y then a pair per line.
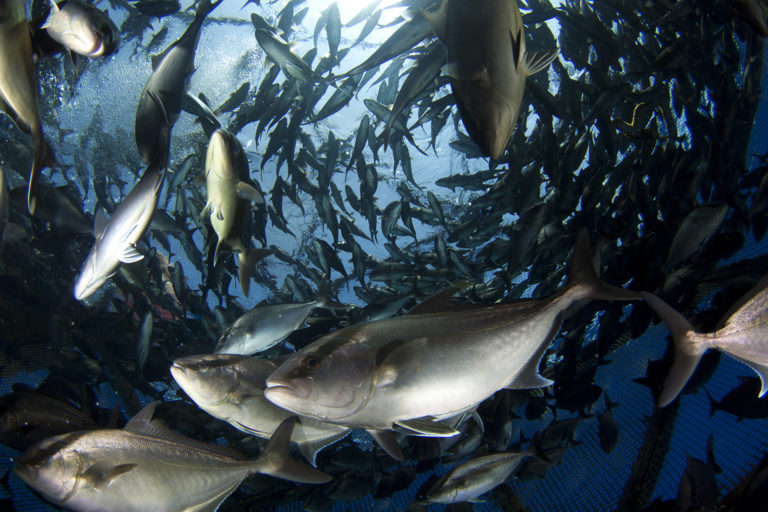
x,y
278,389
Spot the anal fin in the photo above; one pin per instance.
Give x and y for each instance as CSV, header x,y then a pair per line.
x,y
426,427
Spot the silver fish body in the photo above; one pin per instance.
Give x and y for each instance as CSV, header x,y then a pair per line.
x,y
474,478
488,64
20,87
82,28
263,327
116,238
280,53
414,369
231,388
226,175
147,467
162,96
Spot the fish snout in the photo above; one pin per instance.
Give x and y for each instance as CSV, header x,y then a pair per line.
x,y
280,389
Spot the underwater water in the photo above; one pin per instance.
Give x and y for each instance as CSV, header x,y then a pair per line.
x,y
645,132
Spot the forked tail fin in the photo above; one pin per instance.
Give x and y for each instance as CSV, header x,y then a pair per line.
x,y
275,460
687,353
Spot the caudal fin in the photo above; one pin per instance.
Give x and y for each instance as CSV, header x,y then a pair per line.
x,y
583,275
245,262
43,158
324,301
276,462
687,352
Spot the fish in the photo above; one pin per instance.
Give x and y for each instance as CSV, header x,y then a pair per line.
x,y
281,54
27,418
103,469
742,336
229,194
82,29
408,35
57,207
163,93
472,479
412,371
487,64
419,78
20,89
695,230
116,238
157,8
143,340
231,388
267,325
752,12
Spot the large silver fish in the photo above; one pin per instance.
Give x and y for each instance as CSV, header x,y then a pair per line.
x,y
414,370
229,194
473,478
267,325
81,28
171,71
116,238
744,336
488,64
231,388
146,466
20,88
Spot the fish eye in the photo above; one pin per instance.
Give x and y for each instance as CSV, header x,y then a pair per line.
x,y
312,362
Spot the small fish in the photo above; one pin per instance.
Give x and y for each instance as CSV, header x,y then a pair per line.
x,y
229,195
231,388
163,93
267,325
56,206
281,54
744,336
116,238
146,466
81,28
143,340
27,418
695,230
157,8
472,479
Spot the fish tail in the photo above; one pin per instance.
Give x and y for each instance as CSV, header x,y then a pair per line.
x,y
687,349
44,157
584,278
246,260
324,301
204,8
276,462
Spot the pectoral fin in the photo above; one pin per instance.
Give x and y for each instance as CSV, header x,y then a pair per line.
x,y
101,474
249,193
131,255
426,427
538,61
386,439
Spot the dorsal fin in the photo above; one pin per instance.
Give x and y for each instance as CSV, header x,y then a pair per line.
x,y
142,423
99,223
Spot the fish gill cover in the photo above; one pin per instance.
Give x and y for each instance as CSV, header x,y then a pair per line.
x,y
359,144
